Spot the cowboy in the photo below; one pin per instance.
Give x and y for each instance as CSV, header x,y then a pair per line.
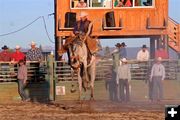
x,y
123,78
111,84
81,26
22,80
82,30
34,54
115,55
122,51
157,76
143,54
18,55
5,55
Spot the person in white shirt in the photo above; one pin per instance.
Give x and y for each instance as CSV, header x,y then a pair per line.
x,y
143,54
122,79
157,76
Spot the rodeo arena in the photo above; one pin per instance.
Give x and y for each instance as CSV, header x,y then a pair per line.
x,y
84,80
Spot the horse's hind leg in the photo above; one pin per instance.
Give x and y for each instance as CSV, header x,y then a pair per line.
x,y
92,93
92,73
80,84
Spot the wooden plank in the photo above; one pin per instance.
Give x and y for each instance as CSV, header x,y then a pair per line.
x,y
134,19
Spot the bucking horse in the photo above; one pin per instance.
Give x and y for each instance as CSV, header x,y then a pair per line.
x,y
81,62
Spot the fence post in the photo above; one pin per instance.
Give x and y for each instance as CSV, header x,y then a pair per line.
x,y
178,70
50,65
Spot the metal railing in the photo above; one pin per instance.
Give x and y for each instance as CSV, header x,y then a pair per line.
x,y
36,71
139,70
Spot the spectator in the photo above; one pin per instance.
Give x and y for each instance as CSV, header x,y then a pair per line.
x,y
81,4
161,53
148,3
5,55
128,3
143,54
123,78
111,84
22,80
34,54
157,76
115,55
18,55
120,3
123,52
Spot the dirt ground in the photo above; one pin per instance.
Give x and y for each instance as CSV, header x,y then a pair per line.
x,y
85,110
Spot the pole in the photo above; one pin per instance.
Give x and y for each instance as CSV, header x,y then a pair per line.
x,y
152,46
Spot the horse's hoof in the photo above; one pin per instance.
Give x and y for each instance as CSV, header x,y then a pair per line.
x,y
92,99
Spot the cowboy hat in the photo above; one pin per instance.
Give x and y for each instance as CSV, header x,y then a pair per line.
x,y
117,44
81,0
17,47
4,47
83,14
33,43
144,46
123,44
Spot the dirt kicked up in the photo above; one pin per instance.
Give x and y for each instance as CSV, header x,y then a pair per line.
x,y
85,110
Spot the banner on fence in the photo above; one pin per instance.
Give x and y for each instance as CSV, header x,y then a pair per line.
x,y
60,90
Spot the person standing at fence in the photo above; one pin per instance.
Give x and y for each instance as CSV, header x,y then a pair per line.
x,y
161,52
34,54
111,84
18,55
143,58
123,78
157,76
122,51
115,54
143,54
5,55
22,80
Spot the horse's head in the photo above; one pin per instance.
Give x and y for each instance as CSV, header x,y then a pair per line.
x,y
76,54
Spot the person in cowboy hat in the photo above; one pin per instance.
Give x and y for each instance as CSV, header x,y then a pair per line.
x,y
115,54
81,4
34,54
81,26
123,52
156,77
143,54
18,55
122,79
5,55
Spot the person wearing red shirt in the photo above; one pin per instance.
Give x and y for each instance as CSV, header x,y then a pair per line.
x,y
5,55
161,53
128,3
18,55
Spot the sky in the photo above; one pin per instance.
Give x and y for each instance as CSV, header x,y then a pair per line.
x,y
15,14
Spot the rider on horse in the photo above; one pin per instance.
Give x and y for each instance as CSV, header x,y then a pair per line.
x,y
82,31
81,26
